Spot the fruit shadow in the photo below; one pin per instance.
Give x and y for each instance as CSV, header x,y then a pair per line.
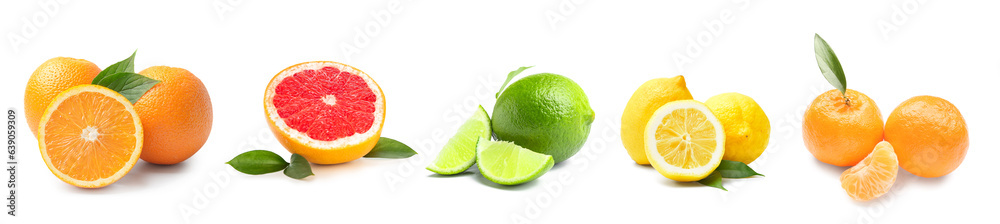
x,y
141,176
519,187
664,181
672,183
669,182
907,178
325,170
473,172
831,169
903,180
462,174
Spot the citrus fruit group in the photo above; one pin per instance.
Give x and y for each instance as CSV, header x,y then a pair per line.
x,y
747,127
873,176
546,113
326,111
50,79
929,135
647,98
842,131
90,136
684,141
176,115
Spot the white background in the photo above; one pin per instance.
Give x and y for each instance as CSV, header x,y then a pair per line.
x,y
436,60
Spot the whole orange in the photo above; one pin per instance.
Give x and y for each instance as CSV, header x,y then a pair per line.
x,y
176,115
51,78
929,135
842,131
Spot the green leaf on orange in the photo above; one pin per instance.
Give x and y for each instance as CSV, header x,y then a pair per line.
x,y
131,85
127,65
829,64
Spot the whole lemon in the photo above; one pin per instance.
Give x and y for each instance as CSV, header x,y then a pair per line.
x,y
649,97
546,113
747,127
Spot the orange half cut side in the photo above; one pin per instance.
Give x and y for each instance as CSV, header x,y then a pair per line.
x,y
90,136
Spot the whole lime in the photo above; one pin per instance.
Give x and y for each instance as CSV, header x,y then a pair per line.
x,y
546,113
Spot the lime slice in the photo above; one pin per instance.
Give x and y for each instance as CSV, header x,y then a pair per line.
x,y
460,152
508,164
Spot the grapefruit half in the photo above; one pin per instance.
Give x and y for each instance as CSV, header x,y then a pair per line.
x,y
326,111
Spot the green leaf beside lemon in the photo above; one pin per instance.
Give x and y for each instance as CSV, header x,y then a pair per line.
x,y
735,169
728,169
713,180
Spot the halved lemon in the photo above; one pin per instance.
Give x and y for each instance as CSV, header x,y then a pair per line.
x,y
684,141
90,136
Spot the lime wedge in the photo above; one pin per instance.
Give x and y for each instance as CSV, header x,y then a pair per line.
x,y
508,164
460,152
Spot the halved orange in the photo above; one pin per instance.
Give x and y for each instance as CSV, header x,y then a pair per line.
x,y
326,111
873,176
90,136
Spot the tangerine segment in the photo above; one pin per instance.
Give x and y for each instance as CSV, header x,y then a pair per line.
x,y
327,112
684,140
90,136
873,176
